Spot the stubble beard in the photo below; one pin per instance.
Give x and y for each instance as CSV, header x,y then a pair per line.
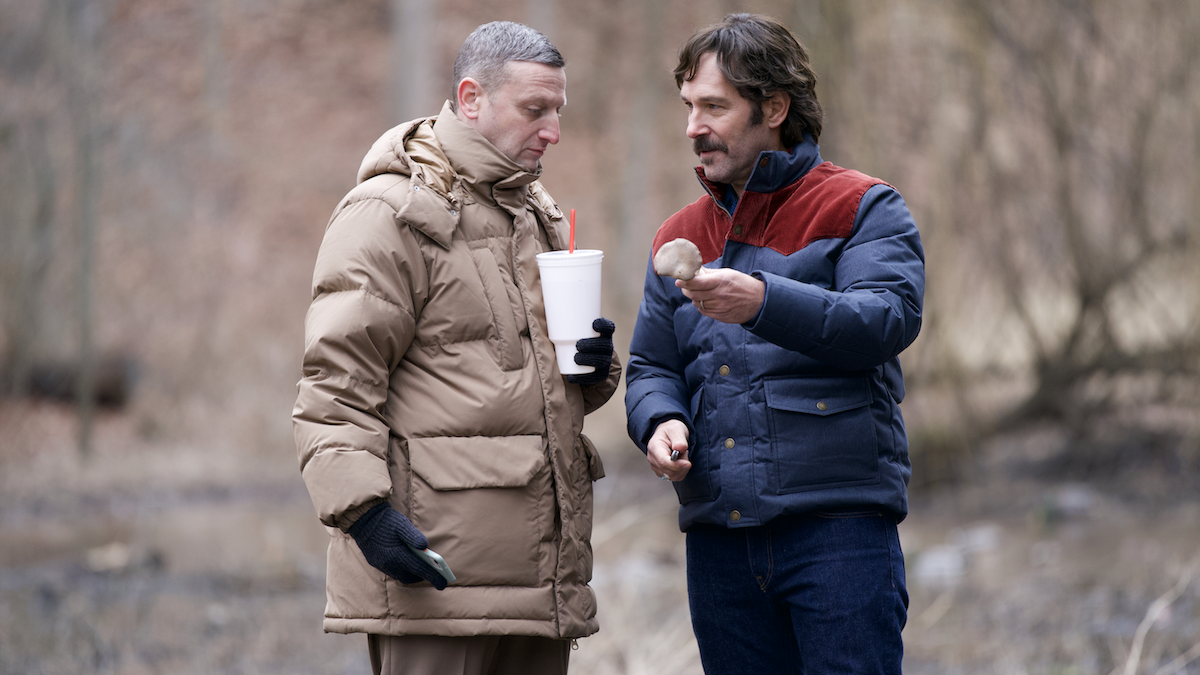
x,y
709,144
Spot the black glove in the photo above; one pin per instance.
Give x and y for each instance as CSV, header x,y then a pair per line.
x,y
384,535
596,351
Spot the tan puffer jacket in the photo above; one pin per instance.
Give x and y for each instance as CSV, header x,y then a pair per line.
x,y
430,381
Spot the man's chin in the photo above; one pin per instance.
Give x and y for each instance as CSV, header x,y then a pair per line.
x,y
714,173
531,164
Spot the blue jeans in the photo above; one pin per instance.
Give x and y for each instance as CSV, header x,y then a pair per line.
x,y
816,593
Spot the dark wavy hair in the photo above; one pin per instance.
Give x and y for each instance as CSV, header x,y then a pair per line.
x,y
759,56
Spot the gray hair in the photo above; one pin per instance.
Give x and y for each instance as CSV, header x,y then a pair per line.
x,y
490,47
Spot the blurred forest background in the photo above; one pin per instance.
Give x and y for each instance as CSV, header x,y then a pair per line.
x,y
166,171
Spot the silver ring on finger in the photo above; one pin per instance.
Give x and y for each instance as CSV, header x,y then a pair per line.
x,y
664,477
701,305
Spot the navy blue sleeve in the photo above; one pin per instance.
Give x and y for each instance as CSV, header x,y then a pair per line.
x,y
656,388
873,310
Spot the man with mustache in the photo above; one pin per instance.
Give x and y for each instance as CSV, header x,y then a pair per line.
x,y
767,387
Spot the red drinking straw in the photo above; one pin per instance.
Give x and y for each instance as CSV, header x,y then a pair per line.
x,y
571,248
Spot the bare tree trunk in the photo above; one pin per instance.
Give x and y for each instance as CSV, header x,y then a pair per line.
x,y
216,71
414,60
636,219
27,201
26,323
86,21
826,29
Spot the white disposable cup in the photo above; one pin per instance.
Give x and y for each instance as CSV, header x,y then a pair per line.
x,y
571,293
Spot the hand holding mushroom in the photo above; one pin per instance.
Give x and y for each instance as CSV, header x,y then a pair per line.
x,y
724,294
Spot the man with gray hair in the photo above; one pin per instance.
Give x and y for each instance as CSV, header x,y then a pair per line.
x,y
432,415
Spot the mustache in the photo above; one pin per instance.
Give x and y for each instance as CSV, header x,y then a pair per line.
x,y
708,144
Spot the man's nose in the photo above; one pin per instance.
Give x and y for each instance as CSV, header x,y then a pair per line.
x,y
550,132
696,127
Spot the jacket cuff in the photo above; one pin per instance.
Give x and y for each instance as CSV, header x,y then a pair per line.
x,y
749,325
655,421
351,516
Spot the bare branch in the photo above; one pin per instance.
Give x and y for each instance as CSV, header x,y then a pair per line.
x,y
1155,610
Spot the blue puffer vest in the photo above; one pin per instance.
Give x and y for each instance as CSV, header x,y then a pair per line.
x,y
798,409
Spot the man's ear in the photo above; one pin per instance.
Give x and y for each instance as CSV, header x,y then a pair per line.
x,y
775,109
470,93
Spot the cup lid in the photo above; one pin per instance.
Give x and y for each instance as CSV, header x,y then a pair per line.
x,y
570,258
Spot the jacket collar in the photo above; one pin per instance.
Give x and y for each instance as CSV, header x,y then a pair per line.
x,y
441,153
475,159
452,148
775,169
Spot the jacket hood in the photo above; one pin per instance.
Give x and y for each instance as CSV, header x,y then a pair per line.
x,y
442,153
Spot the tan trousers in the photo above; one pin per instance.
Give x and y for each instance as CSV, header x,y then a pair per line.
x,y
481,655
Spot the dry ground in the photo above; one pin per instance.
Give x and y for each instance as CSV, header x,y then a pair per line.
x,y
190,559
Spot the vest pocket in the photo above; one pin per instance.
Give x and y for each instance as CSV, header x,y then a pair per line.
x,y
485,503
822,432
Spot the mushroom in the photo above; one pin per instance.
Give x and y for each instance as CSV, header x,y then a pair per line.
x,y
678,258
